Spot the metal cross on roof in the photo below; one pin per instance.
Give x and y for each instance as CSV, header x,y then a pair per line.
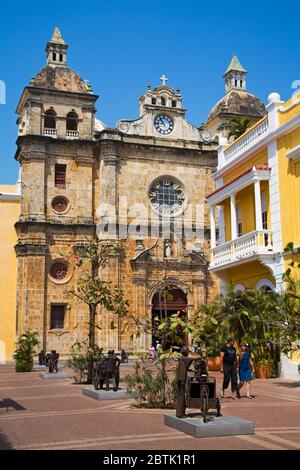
x,y
163,78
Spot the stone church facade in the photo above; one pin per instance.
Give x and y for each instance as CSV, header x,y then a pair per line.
x,y
129,184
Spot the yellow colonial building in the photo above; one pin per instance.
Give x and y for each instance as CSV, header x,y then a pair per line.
x,y
10,196
255,208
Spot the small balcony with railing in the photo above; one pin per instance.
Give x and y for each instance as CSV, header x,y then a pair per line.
x,y
72,135
245,229
253,139
50,132
243,249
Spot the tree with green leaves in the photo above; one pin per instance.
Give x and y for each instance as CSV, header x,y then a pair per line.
x,y
94,291
171,332
238,127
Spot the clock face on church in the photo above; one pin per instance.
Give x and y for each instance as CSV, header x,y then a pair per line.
x,y
163,124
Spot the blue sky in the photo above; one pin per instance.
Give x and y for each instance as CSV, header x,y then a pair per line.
x,y
121,46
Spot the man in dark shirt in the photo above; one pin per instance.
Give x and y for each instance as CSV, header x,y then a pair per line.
x,y
229,368
183,367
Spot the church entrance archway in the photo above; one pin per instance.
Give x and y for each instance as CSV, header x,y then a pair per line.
x,y
166,302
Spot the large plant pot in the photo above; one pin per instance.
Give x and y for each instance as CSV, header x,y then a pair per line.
x,y
263,371
214,363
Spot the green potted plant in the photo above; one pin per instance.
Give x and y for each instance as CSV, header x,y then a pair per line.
x,y
25,350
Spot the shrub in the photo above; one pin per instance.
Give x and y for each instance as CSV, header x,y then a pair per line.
x,y
151,386
25,351
79,359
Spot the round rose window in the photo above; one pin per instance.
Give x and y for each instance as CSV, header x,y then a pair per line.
x,y
167,196
60,204
59,270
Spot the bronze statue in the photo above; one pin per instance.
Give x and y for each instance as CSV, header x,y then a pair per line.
x,y
52,361
107,368
42,358
182,370
201,391
124,356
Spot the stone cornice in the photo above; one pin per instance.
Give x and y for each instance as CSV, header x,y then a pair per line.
x,y
31,249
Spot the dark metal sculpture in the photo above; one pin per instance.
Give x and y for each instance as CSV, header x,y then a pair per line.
x,y
42,358
124,356
52,361
105,369
201,391
184,363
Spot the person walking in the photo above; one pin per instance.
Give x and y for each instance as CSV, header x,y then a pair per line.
x,y
152,353
229,365
245,368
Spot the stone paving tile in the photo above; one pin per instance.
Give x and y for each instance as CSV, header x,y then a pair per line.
x,y
58,416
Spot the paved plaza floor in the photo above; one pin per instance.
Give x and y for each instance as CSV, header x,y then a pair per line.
x,y
39,414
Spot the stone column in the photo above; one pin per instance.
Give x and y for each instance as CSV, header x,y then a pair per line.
x,y
233,217
212,227
84,188
107,211
221,224
257,197
31,290
33,202
87,124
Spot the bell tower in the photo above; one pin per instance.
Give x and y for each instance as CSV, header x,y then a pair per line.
x,y
235,76
56,50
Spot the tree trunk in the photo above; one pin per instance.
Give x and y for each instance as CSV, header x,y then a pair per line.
x,y
92,314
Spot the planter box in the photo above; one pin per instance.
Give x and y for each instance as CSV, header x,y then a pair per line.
x,y
262,372
214,363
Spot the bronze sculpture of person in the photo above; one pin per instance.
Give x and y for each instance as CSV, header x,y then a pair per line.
x,y
105,369
124,357
53,361
112,370
42,358
183,367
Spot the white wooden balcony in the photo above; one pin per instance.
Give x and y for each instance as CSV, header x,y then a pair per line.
x,y
49,132
72,135
245,248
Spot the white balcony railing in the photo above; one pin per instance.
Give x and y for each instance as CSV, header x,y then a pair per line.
x,y
254,243
251,137
72,135
50,132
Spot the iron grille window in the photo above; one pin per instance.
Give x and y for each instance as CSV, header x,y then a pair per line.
x,y
57,319
166,196
60,175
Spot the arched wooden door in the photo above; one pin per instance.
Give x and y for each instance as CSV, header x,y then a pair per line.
x,y
165,303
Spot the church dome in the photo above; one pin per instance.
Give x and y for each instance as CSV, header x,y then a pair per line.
x,y
238,101
60,78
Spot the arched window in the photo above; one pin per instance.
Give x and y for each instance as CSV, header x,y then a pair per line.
x,y
50,119
72,119
163,101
